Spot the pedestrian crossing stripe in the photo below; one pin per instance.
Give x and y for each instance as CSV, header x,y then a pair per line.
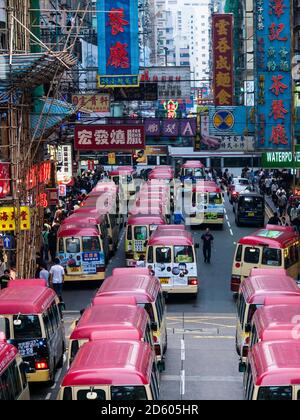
x,y
223,120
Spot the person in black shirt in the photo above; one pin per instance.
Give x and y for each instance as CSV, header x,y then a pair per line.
x,y
207,239
274,220
5,279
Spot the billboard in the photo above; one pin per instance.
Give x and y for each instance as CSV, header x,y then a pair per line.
x,y
173,82
227,121
171,128
109,137
95,103
223,59
4,180
273,76
118,41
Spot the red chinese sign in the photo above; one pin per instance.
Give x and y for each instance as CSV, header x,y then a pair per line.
x,y
223,59
4,180
117,21
38,175
109,137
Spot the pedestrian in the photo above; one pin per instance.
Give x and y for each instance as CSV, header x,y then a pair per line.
x,y
284,222
45,237
282,203
52,242
44,274
57,277
141,262
5,279
274,220
293,213
268,184
207,239
178,218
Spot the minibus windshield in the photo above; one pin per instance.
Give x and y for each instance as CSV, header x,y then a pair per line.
x,y
183,254
26,326
251,203
275,393
141,233
163,255
72,246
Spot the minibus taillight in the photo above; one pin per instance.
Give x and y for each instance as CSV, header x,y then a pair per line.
x,y
41,365
237,265
193,281
157,349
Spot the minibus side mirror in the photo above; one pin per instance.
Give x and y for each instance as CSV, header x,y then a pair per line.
x,y
248,328
154,327
242,367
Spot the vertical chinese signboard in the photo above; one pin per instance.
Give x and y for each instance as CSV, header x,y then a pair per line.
x,y
273,87
4,179
223,59
118,40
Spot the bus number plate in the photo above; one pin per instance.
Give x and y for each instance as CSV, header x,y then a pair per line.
x,y
164,281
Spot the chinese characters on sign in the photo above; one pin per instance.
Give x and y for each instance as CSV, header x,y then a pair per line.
x,y
95,103
65,162
9,217
4,179
223,59
104,137
38,175
171,128
118,43
273,74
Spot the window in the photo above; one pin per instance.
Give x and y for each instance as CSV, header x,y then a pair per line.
x,y
83,394
141,233
10,383
154,384
183,254
241,308
215,198
67,394
251,255
163,255
152,160
47,325
275,393
73,246
150,255
4,327
148,307
91,244
128,393
298,396
61,249
249,384
74,349
129,233
272,257
291,256
249,204
254,337
239,252
29,327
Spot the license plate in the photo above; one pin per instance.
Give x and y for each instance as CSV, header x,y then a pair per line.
x,y
75,269
251,214
164,281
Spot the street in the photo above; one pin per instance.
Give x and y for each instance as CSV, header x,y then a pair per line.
x,y
201,362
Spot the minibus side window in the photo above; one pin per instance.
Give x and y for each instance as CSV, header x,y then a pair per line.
x,y
149,309
298,396
129,233
241,308
271,257
51,324
254,338
158,309
249,384
4,327
128,393
11,387
67,394
73,246
251,312
47,324
291,256
275,393
61,249
74,349
148,335
239,252
150,255
154,383
251,255
56,314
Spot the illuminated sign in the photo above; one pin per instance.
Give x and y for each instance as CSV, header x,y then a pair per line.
x,y
171,107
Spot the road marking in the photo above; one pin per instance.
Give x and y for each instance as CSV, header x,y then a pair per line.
x,y
231,233
205,317
182,383
227,218
214,337
182,350
48,396
198,378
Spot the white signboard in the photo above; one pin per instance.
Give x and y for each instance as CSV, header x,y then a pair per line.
x,y
65,160
173,82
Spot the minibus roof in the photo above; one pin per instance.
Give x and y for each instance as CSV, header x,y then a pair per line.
x,y
209,188
77,232
111,362
267,271
276,363
143,210
171,237
144,288
140,220
277,237
85,218
26,283
8,353
172,227
276,322
256,288
193,164
131,270
161,175
111,318
27,300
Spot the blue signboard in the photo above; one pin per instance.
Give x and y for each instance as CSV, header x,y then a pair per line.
x,y
273,78
118,41
230,121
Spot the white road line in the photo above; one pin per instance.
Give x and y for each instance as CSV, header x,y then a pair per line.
x,y
48,396
231,233
182,383
227,218
182,350
229,224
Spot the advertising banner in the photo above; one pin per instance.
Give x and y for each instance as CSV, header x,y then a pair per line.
x,y
118,41
273,75
4,180
109,137
65,161
9,216
156,127
228,121
94,103
223,59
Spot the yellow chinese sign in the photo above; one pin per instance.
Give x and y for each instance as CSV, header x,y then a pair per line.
x,y
94,103
9,218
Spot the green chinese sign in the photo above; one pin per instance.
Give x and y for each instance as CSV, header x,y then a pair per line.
x,y
279,160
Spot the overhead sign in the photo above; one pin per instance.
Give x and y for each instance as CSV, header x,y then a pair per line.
x,y
94,103
145,92
109,137
273,74
280,160
118,41
171,128
228,121
9,217
223,59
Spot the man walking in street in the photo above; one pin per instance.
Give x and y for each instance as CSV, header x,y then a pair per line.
x,y
207,239
57,277
5,279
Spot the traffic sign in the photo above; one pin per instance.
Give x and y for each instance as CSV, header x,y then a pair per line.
x,y
8,242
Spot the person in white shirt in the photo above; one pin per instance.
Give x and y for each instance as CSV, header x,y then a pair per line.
x,y
57,277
